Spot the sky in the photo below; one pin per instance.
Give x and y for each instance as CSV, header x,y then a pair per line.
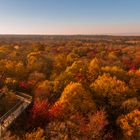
x,y
69,17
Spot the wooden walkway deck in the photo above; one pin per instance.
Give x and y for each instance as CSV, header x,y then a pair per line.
x,y
7,119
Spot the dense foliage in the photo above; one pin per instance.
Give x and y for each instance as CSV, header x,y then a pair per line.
x,y
83,87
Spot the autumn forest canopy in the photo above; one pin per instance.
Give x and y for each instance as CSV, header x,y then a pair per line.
x,y
82,86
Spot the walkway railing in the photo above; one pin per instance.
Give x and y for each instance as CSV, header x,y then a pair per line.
x,y
7,119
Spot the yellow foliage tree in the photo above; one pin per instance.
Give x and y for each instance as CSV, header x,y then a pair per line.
x,y
20,70
130,105
112,55
11,83
74,98
118,72
37,61
110,90
135,81
74,73
71,57
78,71
43,90
36,77
60,63
94,69
36,135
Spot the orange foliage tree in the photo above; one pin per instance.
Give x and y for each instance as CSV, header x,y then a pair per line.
x,y
130,125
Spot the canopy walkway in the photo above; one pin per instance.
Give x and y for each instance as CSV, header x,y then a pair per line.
x,y
7,119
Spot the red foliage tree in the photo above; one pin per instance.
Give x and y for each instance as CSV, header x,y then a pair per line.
x,y
56,111
39,114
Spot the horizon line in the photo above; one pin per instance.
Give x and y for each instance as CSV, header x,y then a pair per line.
x,y
107,34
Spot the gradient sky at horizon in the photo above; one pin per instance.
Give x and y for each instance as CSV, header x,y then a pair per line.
x,y
69,16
